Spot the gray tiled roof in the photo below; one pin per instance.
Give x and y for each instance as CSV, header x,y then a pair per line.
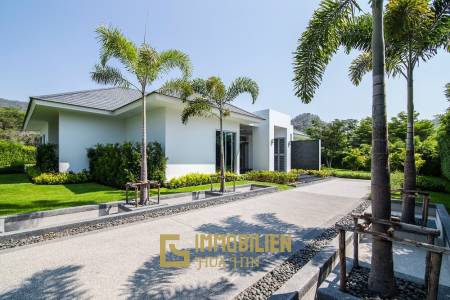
x,y
105,99
110,99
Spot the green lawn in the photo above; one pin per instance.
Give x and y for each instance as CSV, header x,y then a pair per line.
x,y
19,195
436,197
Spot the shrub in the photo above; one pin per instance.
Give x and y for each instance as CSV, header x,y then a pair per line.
x,y
193,179
435,184
47,157
319,173
117,164
61,178
349,174
272,176
12,154
444,144
357,158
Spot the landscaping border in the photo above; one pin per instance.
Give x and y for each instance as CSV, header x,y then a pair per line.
x,y
32,236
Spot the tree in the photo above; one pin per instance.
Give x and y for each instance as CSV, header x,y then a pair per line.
x,y
334,137
362,133
144,64
304,121
316,47
447,91
11,118
210,98
414,32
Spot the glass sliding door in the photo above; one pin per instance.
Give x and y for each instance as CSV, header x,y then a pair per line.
x,y
229,141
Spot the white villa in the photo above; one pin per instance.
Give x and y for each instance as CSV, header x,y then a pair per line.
x,y
79,120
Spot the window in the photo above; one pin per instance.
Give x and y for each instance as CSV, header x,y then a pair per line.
x,y
229,141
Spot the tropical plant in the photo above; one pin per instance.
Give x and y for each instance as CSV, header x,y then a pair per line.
x,y
414,32
316,47
210,98
447,91
144,64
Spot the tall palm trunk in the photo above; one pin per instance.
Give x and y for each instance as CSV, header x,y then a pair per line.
x,y
409,203
144,192
381,279
222,156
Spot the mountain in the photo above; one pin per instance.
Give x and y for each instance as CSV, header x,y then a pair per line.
x,y
13,103
303,121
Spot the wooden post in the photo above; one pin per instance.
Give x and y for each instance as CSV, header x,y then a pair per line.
x,y
435,270
136,195
430,240
159,191
355,245
426,200
342,266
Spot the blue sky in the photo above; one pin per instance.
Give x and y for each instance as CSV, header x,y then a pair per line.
x,y
50,46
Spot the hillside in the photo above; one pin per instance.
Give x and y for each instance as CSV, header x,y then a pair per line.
x,y
13,103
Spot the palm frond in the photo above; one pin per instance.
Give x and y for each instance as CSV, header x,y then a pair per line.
x,y
177,87
199,87
173,59
216,89
357,34
360,66
242,85
115,44
109,75
198,107
318,44
147,66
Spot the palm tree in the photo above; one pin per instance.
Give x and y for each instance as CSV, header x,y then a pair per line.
x,y
414,32
316,47
144,65
210,98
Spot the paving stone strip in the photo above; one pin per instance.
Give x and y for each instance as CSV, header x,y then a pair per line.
x,y
274,279
117,220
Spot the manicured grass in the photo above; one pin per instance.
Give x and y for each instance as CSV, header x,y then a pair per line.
x,y
436,197
19,195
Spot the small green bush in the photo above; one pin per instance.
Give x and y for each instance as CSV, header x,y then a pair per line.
x,y
194,179
319,173
116,164
349,174
12,154
61,178
272,176
47,157
435,184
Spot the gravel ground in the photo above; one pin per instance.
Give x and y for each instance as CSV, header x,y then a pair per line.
x,y
146,215
357,286
273,280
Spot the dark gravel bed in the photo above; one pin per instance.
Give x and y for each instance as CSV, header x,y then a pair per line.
x,y
357,286
145,215
273,280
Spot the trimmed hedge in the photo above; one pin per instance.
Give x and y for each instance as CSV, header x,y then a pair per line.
x,y
47,157
319,173
116,164
272,176
12,154
193,179
61,178
49,178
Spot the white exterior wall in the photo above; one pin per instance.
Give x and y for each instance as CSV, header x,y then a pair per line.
x,y
80,131
192,147
276,125
155,127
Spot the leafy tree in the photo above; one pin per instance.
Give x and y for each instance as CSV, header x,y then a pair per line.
x,y
11,118
414,32
304,121
362,133
211,98
447,91
357,158
318,43
144,65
